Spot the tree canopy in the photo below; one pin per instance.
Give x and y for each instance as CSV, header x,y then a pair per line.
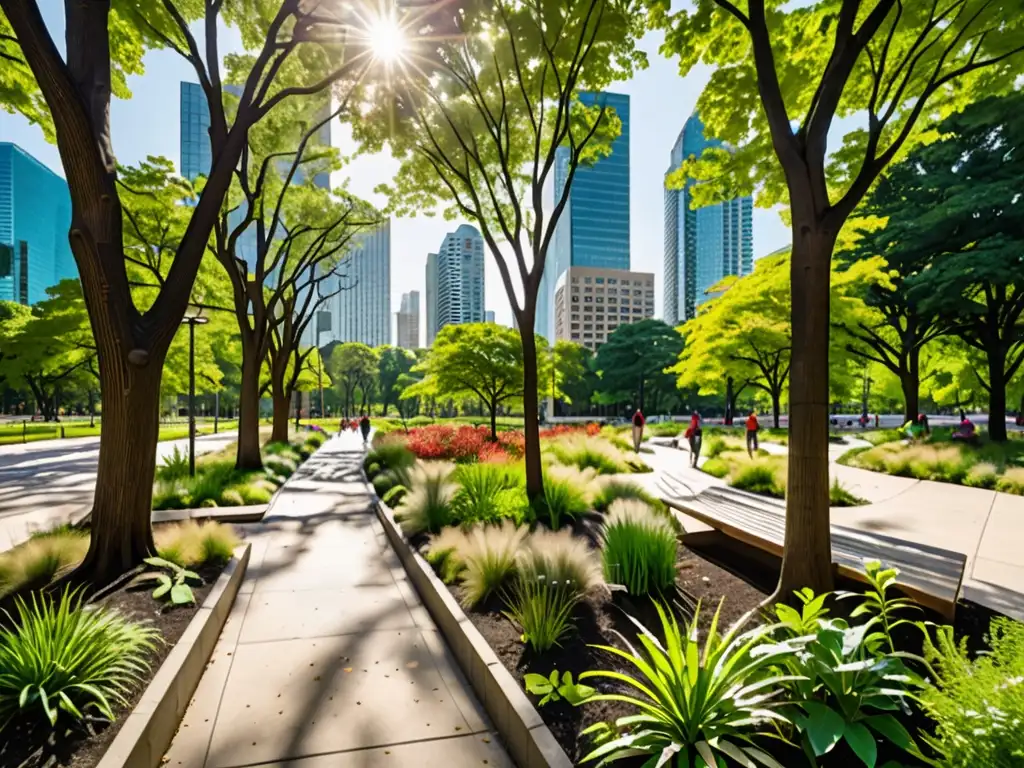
x,y
632,363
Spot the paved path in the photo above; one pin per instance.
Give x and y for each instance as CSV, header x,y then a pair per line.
x,y
49,482
328,659
986,526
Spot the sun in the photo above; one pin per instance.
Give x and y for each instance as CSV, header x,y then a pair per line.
x,y
387,39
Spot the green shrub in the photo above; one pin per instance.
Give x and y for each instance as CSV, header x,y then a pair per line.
x,y
174,466
208,504
394,495
39,560
427,507
391,454
62,661
383,483
489,493
1011,481
565,498
715,468
254,493
587,452
613,489
281,465
757,477
977,705
230,497
170,496
209,483
639,548
542,609
315,439
713,701
839,496
372,470
193,545
714,447
560,557
282,449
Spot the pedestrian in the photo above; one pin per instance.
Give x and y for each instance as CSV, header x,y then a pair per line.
x,y
638,429
752,428
695,435
364,427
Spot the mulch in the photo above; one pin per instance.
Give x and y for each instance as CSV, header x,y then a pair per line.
x,y
30,745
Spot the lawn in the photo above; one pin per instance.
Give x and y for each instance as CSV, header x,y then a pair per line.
x,y
12,433
998,466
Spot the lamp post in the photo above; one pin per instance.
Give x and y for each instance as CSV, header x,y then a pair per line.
x,y
192,321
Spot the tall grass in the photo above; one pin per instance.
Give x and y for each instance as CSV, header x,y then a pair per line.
x,y
41,559
483,557
760,476
611,489
639,548
490,493
427,507
543,609
565,496
592,452
560,557
191,544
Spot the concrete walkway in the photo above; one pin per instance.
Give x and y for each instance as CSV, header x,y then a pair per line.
x,y
328,658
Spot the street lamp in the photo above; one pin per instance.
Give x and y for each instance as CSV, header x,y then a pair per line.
x,y
192,320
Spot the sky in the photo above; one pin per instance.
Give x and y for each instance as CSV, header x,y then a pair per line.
x,y
660,102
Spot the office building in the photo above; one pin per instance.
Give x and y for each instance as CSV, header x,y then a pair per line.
x,y
488,316
408,331
455,281
363,309
35,215
702,246
591,302
593,230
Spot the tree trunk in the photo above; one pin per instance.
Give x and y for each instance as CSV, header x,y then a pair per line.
x,y
807,559
531,423
996,394
494,420
910,383
121,511
730,402
279,433
247,456
777,406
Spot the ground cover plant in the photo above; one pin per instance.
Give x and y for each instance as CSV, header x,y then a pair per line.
x,y
764,474
986,464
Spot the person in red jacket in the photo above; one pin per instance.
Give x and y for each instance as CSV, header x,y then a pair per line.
x,y
695,435
752,428
638,429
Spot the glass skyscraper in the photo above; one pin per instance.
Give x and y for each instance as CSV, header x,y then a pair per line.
x,y
35,215
702,246
593,230
455,281
363,308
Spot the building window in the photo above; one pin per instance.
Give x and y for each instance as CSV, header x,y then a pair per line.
x,y
6,260
612,300
588,299
588,290
600,299
575,316
612,281
575,279
637,311
575,326
588,327
576,336
588,335
575,299
23,275
599,280
587,280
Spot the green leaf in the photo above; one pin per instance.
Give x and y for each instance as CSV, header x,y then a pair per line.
x,y
536,684
862,743
181,594
824,727
891,728
159,562
163,589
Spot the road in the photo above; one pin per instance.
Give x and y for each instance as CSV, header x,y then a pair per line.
x,y
50,482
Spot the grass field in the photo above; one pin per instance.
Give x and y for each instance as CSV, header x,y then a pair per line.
x,y
15,432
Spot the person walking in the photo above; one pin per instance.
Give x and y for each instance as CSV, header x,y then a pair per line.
x,y
638,429
695,435
752,429
364,427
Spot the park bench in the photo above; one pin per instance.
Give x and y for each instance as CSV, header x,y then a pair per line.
x,y
929,575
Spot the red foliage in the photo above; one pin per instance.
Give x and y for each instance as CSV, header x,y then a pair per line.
x,y
494,453
438,441
558,430
513,442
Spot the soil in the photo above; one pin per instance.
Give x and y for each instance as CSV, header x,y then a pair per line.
x,y
602,620
30,745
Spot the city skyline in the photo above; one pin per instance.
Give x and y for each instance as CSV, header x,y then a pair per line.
x,y
362,311
455,281
594,228
705,245
35,214
407,321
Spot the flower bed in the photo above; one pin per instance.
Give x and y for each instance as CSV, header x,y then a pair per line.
x,y
89,666
548,583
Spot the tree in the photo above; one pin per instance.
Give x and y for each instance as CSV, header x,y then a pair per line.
x,y
480,360
783,73
744,332
49,347
73,89
967,189
482,116
631,363
351,365
574,372
394,363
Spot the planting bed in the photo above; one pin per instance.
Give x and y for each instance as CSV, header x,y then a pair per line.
x,y
33,744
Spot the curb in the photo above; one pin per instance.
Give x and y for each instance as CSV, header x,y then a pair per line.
x,y
148,730
529,740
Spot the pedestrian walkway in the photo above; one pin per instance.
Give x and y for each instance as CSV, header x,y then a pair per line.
x,y
328,658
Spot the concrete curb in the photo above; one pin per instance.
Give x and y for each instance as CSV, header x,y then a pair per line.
x,y
149,729
528,739
247,513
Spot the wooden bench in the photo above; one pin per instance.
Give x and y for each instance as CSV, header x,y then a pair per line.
x,y
929,575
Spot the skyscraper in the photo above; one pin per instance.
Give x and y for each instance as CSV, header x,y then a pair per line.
x,y
705,245
489,316
363,309
35,215
593,230
455,281
409,321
